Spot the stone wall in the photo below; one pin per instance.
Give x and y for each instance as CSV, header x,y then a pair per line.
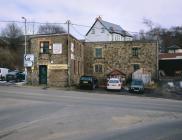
x,y
57,76
118,55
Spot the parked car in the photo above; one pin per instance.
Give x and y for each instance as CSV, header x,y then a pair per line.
x,y
88,82
114,84
15,76
3,73
136,86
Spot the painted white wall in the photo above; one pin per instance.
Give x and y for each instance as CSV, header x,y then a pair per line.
x,y
139,74
128,38
117,37
98,35
176,51
179,51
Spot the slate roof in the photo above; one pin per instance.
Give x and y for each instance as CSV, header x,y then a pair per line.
x,y
111,27
164,56
114,28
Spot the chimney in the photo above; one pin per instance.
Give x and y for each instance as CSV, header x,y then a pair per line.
x,y
99,18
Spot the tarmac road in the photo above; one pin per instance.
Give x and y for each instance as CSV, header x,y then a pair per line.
x,y
54,114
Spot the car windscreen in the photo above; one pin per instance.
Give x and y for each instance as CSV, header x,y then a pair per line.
x,y
12,73
86,78
137,82
113,81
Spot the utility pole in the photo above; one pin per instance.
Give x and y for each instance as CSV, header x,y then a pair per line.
x,y
157,51
33,27
69,54
25,47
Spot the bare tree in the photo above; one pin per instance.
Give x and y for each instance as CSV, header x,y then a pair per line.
x,y
50,29
142,35
166,37
12,34
6,58
12,54
149,23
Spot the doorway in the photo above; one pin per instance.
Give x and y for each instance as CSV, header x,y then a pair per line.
x,y
42,74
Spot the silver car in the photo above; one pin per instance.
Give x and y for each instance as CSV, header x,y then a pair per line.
x,y
136,86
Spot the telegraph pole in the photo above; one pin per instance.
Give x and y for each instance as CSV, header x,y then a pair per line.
x,y
157,51
69,55
25,47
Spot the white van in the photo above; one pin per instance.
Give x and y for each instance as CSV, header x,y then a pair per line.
x,y
3,72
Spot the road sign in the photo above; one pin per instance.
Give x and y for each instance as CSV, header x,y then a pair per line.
x,y
28,60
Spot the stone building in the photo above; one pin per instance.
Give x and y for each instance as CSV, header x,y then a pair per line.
x,y
55,64
101,58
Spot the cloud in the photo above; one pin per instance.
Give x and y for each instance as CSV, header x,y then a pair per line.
x,y
127,13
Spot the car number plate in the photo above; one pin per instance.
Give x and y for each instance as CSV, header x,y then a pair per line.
x,y
85,82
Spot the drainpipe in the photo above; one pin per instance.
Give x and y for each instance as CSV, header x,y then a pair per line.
x,y
69,55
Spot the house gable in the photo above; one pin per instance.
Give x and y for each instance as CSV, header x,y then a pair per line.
x,y
105,31
98,32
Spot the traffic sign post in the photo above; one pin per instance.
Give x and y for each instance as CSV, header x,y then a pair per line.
x,y
28,60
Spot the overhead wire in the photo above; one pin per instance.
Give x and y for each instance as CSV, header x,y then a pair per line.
x,y
74,24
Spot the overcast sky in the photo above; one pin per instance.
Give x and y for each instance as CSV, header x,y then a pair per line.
x,y
127,13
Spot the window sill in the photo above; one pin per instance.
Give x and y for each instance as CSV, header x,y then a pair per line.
x,y
135,56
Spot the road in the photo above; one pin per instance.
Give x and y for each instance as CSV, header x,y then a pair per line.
x,y
54,114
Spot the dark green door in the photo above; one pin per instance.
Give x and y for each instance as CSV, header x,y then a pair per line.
x,y
42,74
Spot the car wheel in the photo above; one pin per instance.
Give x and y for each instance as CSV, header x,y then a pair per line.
x,y
121,89
3,78
141,91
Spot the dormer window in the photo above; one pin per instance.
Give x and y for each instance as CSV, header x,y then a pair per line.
x,y
93,31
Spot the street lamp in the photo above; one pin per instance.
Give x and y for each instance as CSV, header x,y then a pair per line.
x,y
25,46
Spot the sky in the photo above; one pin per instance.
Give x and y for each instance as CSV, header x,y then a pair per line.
x,y
129,14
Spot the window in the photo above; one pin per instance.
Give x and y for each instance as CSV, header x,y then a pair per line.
x,y
98,68
135,51
72,47
136,67
93,31
44,47
74,65
78,67
80,50
98,52
115,38
102,30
